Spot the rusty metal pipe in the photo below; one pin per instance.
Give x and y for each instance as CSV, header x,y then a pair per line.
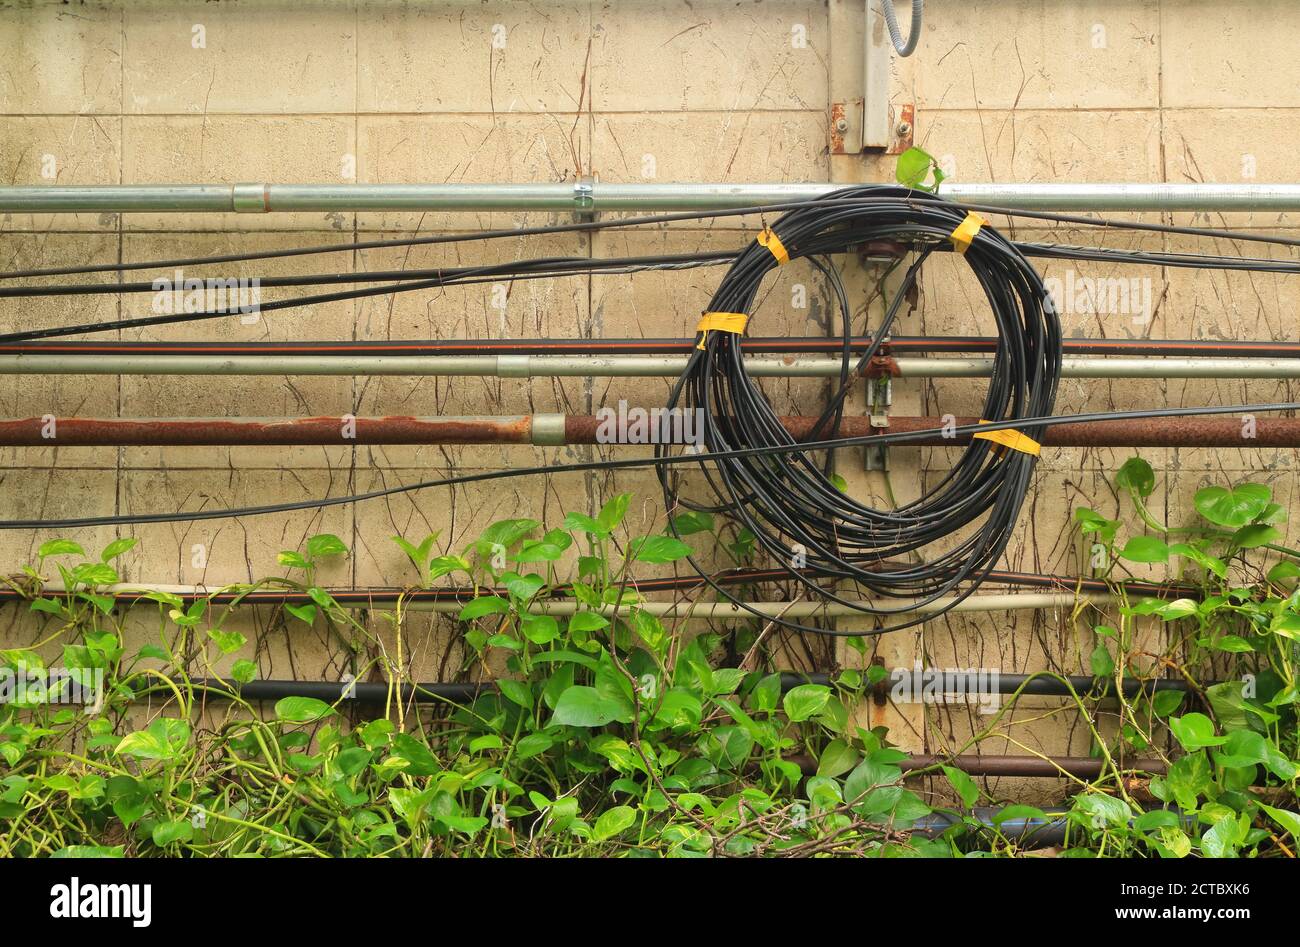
x,y
232,432
555,429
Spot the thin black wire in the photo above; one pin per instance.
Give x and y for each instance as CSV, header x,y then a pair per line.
x,y
644,220
846,200
580,265
464,276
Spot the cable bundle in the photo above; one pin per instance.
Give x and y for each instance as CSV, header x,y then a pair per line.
x,y
787,499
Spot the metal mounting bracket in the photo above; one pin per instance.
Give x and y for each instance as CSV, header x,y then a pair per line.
x,y
584,199
880,397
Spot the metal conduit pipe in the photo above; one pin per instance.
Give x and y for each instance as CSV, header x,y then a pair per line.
x,y
1088,367
553,430
128,594
370,596
595,196
626,366
754,345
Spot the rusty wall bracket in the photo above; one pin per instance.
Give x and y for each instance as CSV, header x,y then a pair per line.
x,y
845,132
862,117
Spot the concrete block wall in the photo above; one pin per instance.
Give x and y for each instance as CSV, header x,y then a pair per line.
x,y
630,90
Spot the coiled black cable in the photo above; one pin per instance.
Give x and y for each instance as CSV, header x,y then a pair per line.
x,y
789,501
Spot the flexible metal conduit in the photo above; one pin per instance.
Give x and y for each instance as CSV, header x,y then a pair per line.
x,y
625,366
904,47
553,430
594,196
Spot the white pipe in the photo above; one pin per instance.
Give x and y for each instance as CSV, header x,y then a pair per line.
x,y
622,366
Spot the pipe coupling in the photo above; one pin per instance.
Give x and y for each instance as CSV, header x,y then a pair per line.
x,y
549,430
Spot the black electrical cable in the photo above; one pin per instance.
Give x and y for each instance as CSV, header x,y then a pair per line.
x,y
554,266
790,504
551,268
548,266
1198,261
464,276
399,242
590,226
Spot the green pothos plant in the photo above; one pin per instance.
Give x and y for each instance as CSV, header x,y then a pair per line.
x,y
608,732
1233,635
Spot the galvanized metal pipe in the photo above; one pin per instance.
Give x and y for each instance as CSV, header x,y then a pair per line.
x,y
128,594
362,597
623,366
594,196
554,430
785,346
492,366
1209,367
1280,198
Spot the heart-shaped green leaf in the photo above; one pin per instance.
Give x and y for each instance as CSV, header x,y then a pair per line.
x,y
1232,508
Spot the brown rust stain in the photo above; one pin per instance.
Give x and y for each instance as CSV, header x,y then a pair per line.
x,y
899,143
837,136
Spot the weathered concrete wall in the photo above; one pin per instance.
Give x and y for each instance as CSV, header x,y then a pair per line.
x,y
633,90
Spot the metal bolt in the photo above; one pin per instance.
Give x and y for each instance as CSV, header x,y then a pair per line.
x,y
904,129
842,125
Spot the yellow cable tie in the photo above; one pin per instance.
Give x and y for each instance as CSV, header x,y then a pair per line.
x,y
1009,437
722,322
966,230
768,238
